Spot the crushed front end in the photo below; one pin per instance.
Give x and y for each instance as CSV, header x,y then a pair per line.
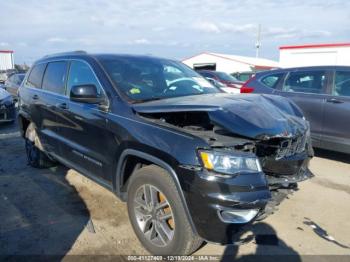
x,y
285,162
257,150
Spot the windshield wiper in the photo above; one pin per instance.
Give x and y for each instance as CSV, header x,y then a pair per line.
x,y
148,100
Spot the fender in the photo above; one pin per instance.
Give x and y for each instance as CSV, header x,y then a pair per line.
x,y
25,115
132,152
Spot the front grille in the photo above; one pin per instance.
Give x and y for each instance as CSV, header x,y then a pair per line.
x,y
281,147
292,146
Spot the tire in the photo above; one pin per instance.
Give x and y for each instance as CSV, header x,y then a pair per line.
x,y
180,240
35,157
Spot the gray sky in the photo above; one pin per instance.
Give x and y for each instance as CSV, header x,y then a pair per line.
x,y
168,28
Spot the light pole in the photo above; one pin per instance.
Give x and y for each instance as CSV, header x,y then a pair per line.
x,y
258,43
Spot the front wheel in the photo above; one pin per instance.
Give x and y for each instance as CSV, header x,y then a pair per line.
x,y
157,214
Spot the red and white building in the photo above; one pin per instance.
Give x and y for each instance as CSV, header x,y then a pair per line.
x,y
229,63
6,60
315,55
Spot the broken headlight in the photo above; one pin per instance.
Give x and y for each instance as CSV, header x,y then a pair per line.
x,y
226,163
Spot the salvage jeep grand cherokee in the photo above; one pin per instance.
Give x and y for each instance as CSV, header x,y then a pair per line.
x,y
194,164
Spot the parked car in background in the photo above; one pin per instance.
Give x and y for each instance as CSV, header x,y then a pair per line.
x,y
243,76
7,107
194,164
3,76
323,93
222,86
13,82
222,77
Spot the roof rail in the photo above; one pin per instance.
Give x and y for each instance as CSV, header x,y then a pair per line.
x,y
78,52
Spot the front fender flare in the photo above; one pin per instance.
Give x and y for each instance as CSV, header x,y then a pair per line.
x,y
132,152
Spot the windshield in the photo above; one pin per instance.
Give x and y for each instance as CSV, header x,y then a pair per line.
x,y
226,77
142,78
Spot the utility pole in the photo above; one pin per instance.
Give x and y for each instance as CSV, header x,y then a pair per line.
x,y
258,43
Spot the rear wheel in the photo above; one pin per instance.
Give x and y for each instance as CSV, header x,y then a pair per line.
x,y
157,214
36,157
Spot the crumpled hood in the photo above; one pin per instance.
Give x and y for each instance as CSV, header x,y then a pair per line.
x,y
249,115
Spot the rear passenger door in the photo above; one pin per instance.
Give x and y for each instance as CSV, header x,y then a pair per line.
x,y
336,127
52,95
30,98
307,88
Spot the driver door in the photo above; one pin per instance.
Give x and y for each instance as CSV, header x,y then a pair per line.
x,y
83,127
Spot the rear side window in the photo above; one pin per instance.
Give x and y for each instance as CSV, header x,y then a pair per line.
x,y
305,82
341,84
55,77
36,76
271,80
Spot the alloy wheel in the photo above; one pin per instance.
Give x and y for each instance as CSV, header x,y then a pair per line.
x,y
154,215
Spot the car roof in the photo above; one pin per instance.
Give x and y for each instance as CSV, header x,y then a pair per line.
x,y
303,68
84,55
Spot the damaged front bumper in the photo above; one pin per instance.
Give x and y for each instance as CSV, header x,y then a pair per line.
x,y
289,170
219,206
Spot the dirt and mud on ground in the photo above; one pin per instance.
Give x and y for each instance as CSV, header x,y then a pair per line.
x,y
57,211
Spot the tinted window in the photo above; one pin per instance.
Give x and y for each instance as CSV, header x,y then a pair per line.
x,y
305,82
225,76
243,76
55,76
20,78
147,78
36,76
342,83
17,79
271,80
80,73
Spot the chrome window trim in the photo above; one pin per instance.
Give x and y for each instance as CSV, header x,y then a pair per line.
x,y
69,60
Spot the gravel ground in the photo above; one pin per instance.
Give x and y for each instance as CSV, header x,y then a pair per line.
x,y
57,211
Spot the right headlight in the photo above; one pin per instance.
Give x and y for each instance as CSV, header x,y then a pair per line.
x,y
227,163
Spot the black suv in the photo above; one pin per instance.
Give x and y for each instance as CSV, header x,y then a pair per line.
x,y
193,163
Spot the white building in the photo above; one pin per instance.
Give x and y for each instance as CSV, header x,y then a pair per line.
x,y
6,60
314,55
229,63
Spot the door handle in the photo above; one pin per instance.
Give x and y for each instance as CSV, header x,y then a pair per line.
x,y
63,106
35,97
334,101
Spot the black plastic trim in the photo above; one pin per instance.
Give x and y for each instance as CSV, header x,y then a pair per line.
x,y
157,161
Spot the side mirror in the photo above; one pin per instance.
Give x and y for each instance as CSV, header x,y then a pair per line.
x,y
85,94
